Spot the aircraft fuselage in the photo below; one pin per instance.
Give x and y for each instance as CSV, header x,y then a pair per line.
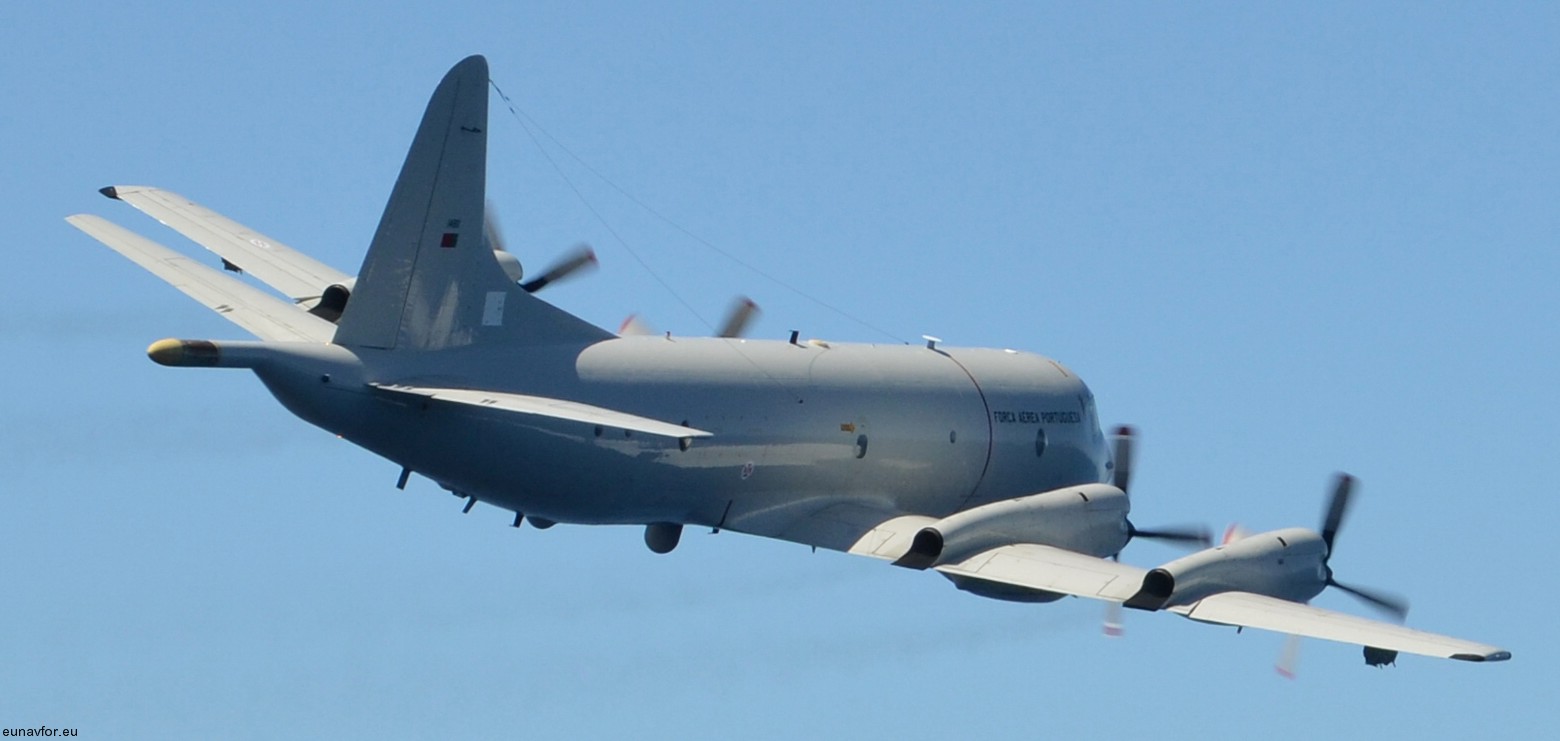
x,y
797,428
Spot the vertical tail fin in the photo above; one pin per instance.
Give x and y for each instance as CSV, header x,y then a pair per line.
x,y
429,280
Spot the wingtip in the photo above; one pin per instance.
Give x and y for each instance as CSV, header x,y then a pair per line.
x,y
109,191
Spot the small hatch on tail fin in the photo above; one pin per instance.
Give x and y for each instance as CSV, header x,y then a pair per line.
x,y
429,281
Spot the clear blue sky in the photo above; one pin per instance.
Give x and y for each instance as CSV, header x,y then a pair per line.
x,y
1282,239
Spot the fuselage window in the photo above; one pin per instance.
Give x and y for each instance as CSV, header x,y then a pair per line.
x,y
1040,442
861,446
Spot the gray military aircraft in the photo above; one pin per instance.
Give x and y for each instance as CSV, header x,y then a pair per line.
x,y
987,466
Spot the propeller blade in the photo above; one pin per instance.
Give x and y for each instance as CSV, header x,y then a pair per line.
x,y
1234,532
490,230
634,326
1289,658
1342,490
1124,444
582,256
738,317
1187,534
1113,626
1124,450
495,242
1397,607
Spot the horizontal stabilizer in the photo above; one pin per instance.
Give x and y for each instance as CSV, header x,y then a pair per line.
x,y
289,271
263,315
542,406
1258,611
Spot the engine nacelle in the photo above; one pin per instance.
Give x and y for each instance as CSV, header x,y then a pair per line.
x,y
510,264
333,300
1091,518
1286,564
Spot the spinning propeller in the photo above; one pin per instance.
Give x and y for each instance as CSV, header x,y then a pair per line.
x,y
573,261
1124,449
738,317
1343,489
1337,507
1125,440
580,257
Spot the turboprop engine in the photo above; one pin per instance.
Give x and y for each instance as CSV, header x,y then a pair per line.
x,y
1087,518
1287,564
1091,518
1290,564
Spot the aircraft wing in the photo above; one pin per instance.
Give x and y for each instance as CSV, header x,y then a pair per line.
x,y
1268,613
1059,571
1065,572
1027,565
887,540
295,274
542,406
1051,569
258,312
